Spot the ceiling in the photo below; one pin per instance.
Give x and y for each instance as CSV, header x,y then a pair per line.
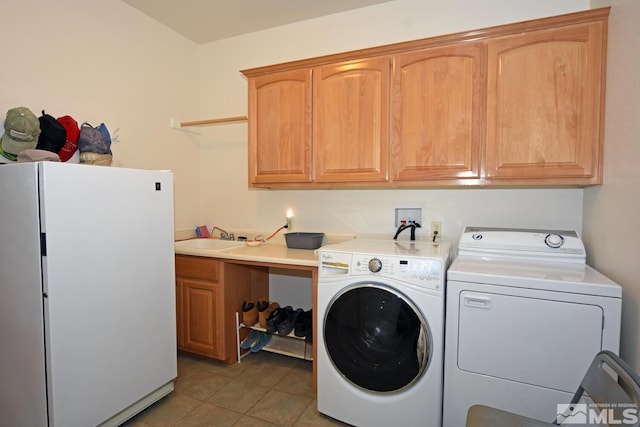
x,y
205,21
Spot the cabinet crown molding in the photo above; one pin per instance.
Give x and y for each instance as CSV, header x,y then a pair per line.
x,y
460,37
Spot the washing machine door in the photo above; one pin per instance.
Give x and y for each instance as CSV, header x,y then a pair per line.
x,y
376,337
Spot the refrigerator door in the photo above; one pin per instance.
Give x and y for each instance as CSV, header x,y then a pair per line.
x,y
110,285
23,399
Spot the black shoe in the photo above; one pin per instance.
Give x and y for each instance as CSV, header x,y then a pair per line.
x,y
303,324
288,323
275,318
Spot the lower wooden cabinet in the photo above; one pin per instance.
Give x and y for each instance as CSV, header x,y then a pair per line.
x,y
198,313
202,318
208,294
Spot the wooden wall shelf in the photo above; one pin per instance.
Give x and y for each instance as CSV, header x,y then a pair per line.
x,y
214,121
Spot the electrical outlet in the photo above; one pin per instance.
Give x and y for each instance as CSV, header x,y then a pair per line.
x,y
436,228
408,215
289,219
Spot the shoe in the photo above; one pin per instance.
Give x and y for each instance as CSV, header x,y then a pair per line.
x,y
263,339
250,339
275,318
262,305
249,313
266,313
289,320
304,324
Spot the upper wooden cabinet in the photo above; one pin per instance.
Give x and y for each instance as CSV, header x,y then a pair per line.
x,y
280,127
351,121
513,105
437,113
544,104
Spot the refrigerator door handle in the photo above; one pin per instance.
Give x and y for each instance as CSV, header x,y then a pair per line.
x,y
43,244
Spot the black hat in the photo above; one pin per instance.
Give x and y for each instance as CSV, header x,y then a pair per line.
x,y
52,136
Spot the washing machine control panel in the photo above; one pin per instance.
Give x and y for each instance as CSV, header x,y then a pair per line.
x,y
416,263
418,271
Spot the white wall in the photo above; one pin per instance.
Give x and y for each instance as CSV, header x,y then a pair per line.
x,y
103,61
227,202
612,210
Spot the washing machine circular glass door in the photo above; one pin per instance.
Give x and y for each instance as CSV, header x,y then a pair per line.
x,y
376,337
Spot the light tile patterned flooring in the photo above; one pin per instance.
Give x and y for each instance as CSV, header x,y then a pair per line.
x,y
264,390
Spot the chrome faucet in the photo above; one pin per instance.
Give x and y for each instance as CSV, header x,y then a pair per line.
x,y
412,225
224,234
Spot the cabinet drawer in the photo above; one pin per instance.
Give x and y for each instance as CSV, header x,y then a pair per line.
x,y
197,267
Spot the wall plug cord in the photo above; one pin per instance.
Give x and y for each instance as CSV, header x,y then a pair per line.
x,y
277,231
263,240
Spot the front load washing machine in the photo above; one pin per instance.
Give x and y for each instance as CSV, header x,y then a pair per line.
x,y
525,317
381,332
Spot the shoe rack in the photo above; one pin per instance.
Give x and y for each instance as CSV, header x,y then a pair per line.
x,y
288,345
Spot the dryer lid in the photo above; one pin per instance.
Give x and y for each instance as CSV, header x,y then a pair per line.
x,y
523,244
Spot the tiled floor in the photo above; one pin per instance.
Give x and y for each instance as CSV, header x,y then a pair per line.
x,y
265,389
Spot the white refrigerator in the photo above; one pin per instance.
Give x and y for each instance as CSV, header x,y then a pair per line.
x,y
87,293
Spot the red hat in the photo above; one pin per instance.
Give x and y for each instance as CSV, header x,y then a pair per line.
x,y
73,132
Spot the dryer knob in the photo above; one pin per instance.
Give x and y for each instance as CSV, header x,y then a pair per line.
x,y
375,265
554,240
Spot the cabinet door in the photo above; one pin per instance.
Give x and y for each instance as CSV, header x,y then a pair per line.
x,y
351,121
202,319
437,113
544,105
280,128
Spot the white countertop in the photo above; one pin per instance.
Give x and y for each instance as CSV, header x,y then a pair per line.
x,y
270,252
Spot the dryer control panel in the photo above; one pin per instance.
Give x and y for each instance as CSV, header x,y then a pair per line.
x,y
526,244
424,272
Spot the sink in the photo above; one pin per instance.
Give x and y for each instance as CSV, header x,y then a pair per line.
x,y
207,244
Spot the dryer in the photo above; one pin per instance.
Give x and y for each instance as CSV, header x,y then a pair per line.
x,y
525,317
381,332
